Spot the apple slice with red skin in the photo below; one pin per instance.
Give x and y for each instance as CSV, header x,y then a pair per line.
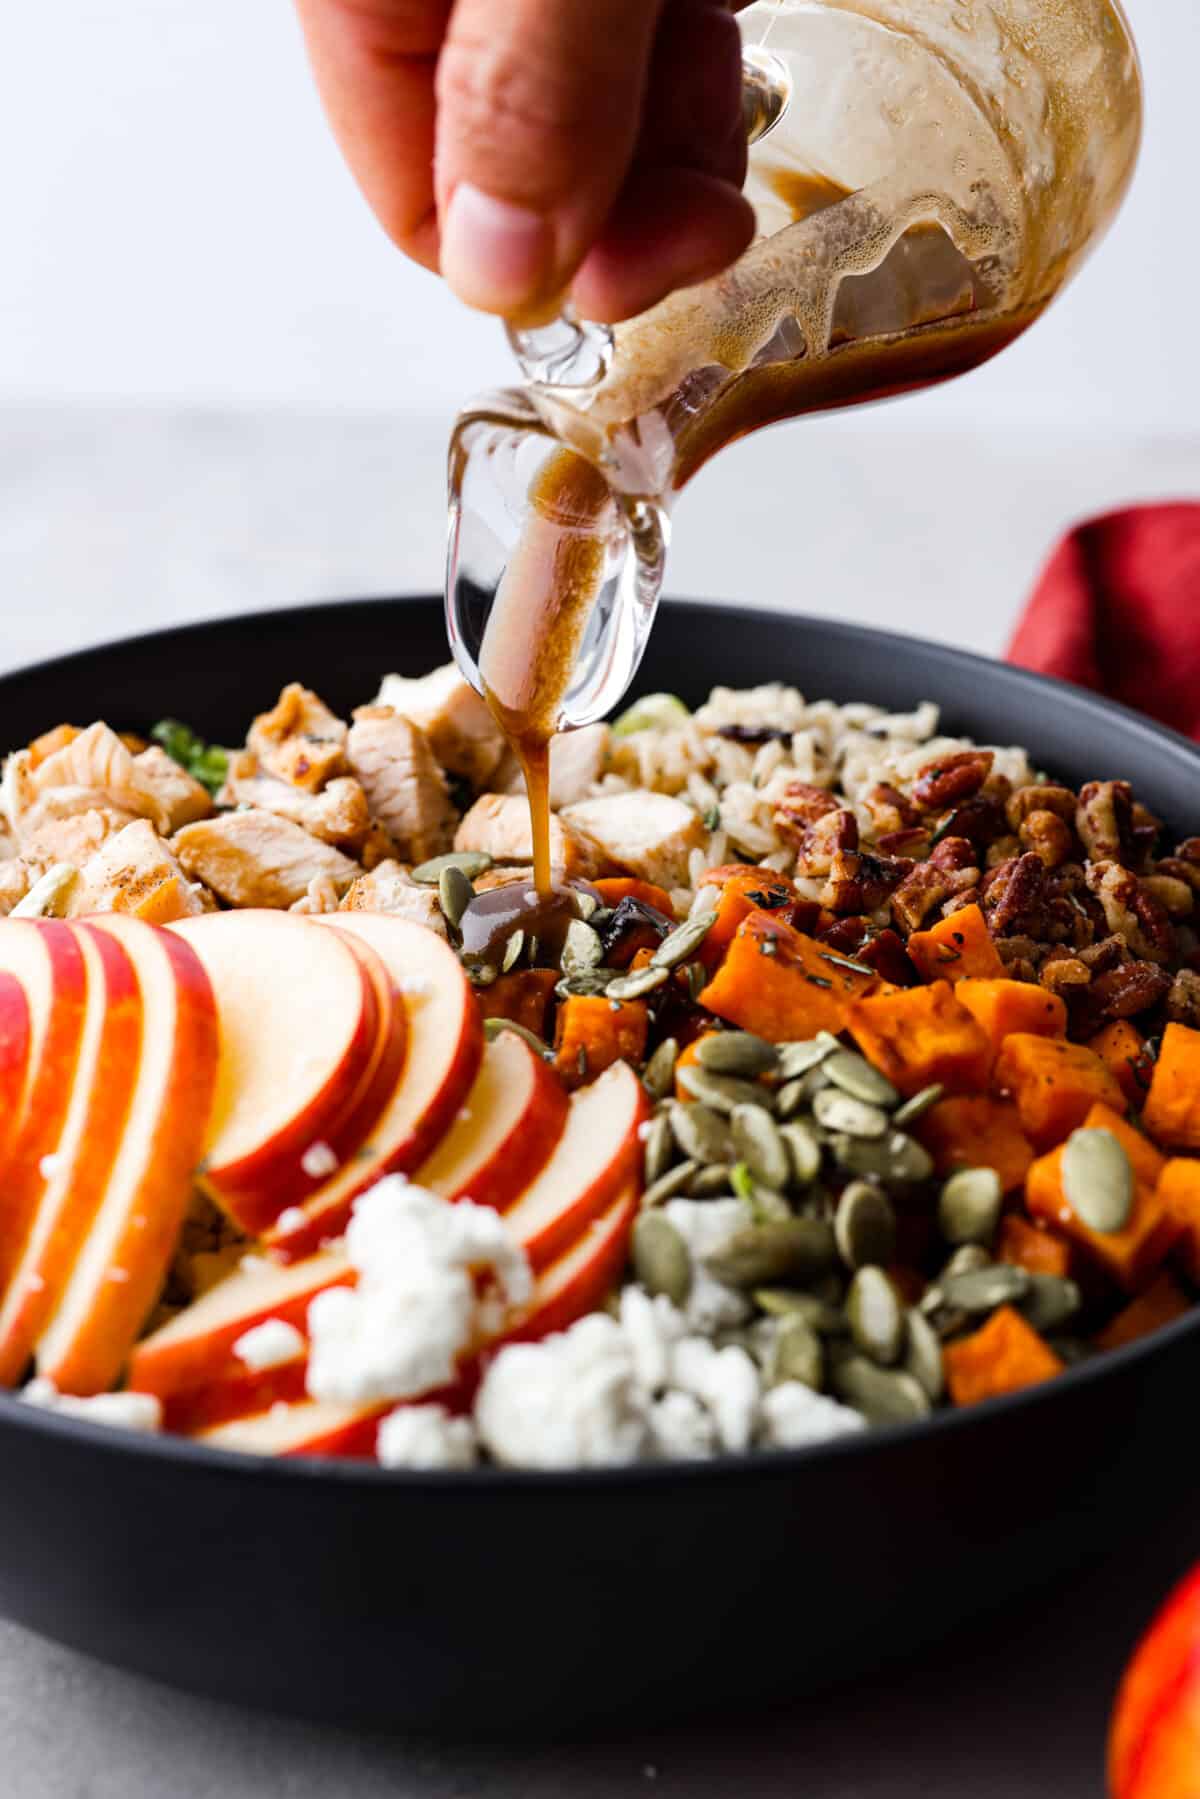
x,y
289,1426
1154,1746
120,1266
46,960
105,1074
15,1040
299,1026
445,1048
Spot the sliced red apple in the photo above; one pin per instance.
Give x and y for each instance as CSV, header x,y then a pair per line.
x,y
298,1028
76,1174
513,1116
290,1425
119,1269
15,1040
445,1046
46,960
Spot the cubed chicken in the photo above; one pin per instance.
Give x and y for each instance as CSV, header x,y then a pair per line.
x,y
577,760
181,798
338,814
255,858
73,838
300,740
390,888
462,733
14,885
649,834
406,790
498,824
134,871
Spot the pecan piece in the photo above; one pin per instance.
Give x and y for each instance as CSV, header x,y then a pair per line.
x,y
980,821
1104,821
888,809
1048,836
924,888
951,779
1060,973
1176,868
862,883
954,853
1183,1001
1040,798
801,806
1176,896
1121,993
913,841
1005,849
1014,897
1131,912
835,833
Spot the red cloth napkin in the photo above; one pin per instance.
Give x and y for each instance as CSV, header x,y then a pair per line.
x,y
1118,610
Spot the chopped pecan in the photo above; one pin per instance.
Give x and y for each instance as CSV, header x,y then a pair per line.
x,y
1183,1001
1005,849
954,853
1110,952
980,821
1176,897
1061,972
1120,993
888,808
1020,956
800,807
1131,912
913,841
1176,868
835,833
1014,897
862,883
968,897
997,788
1145,834
926,887
1040,798
1048,837
1104,821
1189,850
951,779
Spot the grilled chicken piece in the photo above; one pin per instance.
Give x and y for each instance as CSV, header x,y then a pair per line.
x,y
577,760
462,733
15,883
649,834
134,871
74,838
406,790
300,740
94,773
390,888
498,824
338,814
255,858
181,798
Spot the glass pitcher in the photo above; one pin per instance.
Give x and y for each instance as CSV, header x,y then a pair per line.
x,y
926,175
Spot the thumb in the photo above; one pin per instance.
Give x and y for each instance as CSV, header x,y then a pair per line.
x,y
539,112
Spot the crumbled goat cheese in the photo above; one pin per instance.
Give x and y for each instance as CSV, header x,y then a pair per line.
x,y
793,1417
124,1411
419,1302
426,1436
317,1161
726,1381
49,1166
294,1218
681,1430
269,1345
706,1226
571,1401
651,1326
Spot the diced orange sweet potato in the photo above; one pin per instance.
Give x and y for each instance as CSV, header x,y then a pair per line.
x,y
956,948
780,984
1003,1357
1130,1257
594,1032
1148,1162
744,889
1002,1008
1172,1110
1055,1085
524,997
977,1131
615,888
1119,1046
1179,1191
1160,1304
1032,1247
917,1035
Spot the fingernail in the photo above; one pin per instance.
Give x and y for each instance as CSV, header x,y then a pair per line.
x,y
495,255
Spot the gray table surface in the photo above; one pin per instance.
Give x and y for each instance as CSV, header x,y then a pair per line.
x,y
114,521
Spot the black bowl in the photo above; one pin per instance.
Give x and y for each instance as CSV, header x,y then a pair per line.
x,y
512,1601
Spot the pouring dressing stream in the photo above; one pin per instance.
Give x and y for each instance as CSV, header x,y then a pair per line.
x,y
927,175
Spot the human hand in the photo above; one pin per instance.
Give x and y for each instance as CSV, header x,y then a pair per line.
x,y
531,149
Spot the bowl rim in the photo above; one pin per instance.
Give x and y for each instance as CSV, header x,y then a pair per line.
x,y
775,1464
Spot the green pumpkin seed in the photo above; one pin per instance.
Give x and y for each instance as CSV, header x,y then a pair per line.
x,y
804,1153
471,863
986,1288
512,951
677,1180
587,983
783,1302
855,1076
790,1099
493,1027
829,1288
836,1111
876,1316
757,1141
1097,1178
585,903
702,1133
660,1149
48,897
712,1183
967,1260
697,980
721,1091
658,1076
797,1059
768,1206
661,1259
683,942
737,1052
799,1249
582,947
455,893
883,1396
969,1206
917,1106
797,1353
865,1226
923,1355
633,986
1050,1302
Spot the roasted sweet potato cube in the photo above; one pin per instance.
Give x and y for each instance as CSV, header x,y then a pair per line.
x,y
615,888
780,984
594,1032
1172,1110
977,1131
1054,1084
918,1035
1130,1257
1003,1357
1032,1246
1179,1191
1004,1008
957,948
1160,1304
743,890
1120,1046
